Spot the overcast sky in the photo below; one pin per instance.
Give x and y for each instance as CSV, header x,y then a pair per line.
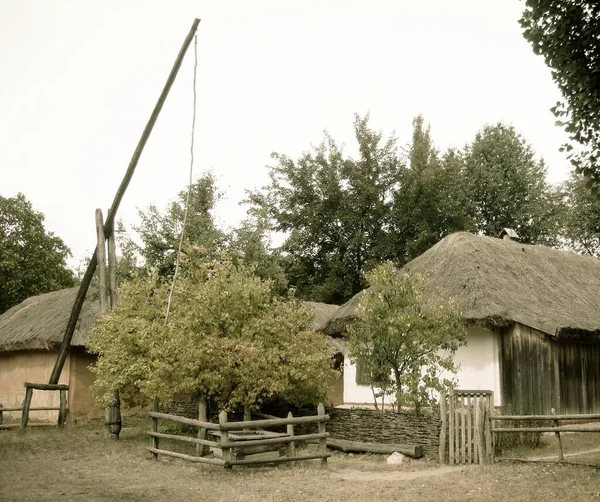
x,y
80,79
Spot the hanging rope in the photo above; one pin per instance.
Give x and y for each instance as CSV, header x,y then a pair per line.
x,y
187,200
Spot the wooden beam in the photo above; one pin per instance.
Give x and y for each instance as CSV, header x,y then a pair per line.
x,y
108,227
112,270
185,439
413,451
46,386
274,422
190,458
562,428
101,252
183,420
270,441
279,460
588,416
62,412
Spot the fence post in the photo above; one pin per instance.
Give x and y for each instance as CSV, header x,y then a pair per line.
x,y
62,412
225,439
26,406
323,441
489,444
444,418
291,447
482,450
155,443
1,417
201,449
561,457
451,421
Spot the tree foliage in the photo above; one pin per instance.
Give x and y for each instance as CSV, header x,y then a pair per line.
x,y
581,218
567,34
32,260
226,339
406,337
343,215
507,188
334,210
159,232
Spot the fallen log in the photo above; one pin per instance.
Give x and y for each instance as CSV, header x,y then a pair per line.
x,y
413,451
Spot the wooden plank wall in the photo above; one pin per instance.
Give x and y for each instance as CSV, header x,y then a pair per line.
x,y
539,373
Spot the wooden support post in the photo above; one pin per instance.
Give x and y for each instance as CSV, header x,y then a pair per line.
x,y
322,442
62,412
202,450
26,406
1,417
247,415
561,457
291,447
444,418
112,271
224,439
101,254
110,218
155,442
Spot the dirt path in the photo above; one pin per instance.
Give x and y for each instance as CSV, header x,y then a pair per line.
x,y
553,457
365,476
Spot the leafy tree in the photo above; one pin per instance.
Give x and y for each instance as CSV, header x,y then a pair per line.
x,y
250,244
406,332
335,212
567,34
32,261
160,232
581,220
507,187
430,200
227,339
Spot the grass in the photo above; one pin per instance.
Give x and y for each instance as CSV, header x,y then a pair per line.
x,y
77,463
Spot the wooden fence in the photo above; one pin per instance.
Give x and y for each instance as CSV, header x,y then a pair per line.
x,y
26,408
465,435
556,427
236,443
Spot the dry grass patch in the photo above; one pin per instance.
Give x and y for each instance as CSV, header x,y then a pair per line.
x,y
77,463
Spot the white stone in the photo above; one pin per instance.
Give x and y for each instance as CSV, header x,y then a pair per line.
x,y
395,458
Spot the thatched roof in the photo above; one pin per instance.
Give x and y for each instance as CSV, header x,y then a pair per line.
x,y
499,282
40,321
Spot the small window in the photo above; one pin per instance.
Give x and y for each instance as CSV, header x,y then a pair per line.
x,y
362,375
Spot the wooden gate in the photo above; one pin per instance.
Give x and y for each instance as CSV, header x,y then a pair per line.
x,y
465,436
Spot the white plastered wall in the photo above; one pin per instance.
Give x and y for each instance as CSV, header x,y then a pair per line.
x,y
479,369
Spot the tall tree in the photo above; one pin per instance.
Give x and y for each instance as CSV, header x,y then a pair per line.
x,y
430,199
581,220
335,212
567,34
32,260
159,232
507,187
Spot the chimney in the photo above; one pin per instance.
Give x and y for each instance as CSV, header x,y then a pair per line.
x,y
508,234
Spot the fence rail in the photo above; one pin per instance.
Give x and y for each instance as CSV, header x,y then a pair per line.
x,y
234,444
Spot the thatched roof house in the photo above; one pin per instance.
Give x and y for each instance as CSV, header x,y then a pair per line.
x,y
30,334
499,282
539,308
39,322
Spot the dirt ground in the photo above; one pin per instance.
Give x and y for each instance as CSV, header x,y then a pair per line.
x,y
77,463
